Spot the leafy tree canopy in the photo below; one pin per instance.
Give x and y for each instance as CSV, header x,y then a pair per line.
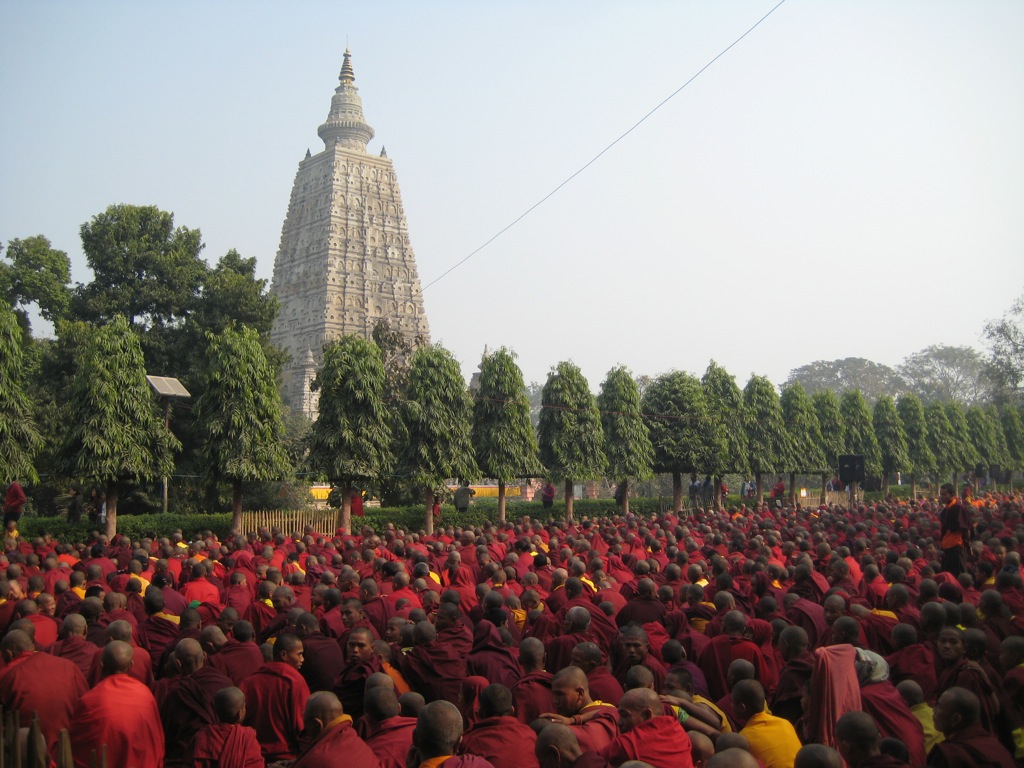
x,y
1013,431
570,435
725,404
859,432
627,444
802,424
770,448
19,438
35,274
964,456
1005,338
679,423
941,372
892,439
920,459
872,379
830,422
987,436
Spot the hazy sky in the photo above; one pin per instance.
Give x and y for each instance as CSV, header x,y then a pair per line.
x,y
847,181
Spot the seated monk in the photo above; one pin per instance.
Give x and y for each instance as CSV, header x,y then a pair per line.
x,y
773,740
388,732
557,747
531,694
239,657
437,733
72,644
647,734
967,744
497,736
35,682
119,714
331,737
571,694
860,743
275,698
227,743
431,667
187,707
603,686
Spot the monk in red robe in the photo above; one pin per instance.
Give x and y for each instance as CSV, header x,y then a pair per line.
x,y
34,682
361,662
491,658
73,646
437,733
648,735
275,698
187,706
227,743
331,737
531,694
160,628
452,631
120,714
388,733
603,686
724,649
595,724
432,668
498,736
911,660
967,744
239,657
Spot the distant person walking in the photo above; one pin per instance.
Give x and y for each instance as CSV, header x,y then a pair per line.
x,y
14,502
462,496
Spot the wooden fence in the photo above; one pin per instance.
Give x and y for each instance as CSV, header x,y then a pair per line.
x,y
26,747
322,520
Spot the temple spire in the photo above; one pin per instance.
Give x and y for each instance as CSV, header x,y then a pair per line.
x,y
345,125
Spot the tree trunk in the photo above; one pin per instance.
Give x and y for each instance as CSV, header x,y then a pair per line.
x,y
568,499
236,505
111,509
759,487
853,494
501,501
913,486
429,499
885,485
625,496
824,485
792,489
677,492
717,494
346,508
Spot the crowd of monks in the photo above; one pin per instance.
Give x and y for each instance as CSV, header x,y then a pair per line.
x,y
775,637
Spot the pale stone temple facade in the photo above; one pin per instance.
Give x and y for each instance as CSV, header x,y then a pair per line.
x,y
345,261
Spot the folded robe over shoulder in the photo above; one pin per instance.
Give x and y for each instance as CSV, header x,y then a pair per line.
x,y
337,744
503,741
237,660
188,708
531,695
660,741
224,745
275,698
390,741
119,713
38,682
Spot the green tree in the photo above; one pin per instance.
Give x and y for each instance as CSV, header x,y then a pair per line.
x,y
987,437
115,436
941,372
1013,431
892,439
920,459
627,445
940,440
859,432
19,438
963,454
769,447
872,379
805,435
437,413
830,422
1006,346
504,440
37,275
725,404
239,415
350,441
570,436
680,426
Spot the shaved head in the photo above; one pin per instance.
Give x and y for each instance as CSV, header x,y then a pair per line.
x,y
117,658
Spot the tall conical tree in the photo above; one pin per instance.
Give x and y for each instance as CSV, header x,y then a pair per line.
x,y
116,436
503,436
920,459
627,445
963,453
830,422
437,413
859,432
725,404
680,427
892,439
239,415
805,434
1013,431
350,441
987,437
571,440
19,438
769,448
940,440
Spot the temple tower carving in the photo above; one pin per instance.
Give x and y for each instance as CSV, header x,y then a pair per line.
x,y
345,261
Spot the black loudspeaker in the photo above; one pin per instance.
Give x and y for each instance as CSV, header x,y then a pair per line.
x,y
851,469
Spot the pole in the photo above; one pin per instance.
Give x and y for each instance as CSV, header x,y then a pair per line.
x,y
167,426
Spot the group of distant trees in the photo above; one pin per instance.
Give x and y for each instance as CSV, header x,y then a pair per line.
x,y
401,421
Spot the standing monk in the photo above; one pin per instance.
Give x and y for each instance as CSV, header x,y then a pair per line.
x,y
119,713
955,530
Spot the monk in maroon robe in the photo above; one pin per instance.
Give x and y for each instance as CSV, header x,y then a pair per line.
x,y
227,743
331,737
240,657
119,714
603,685
498,736
275,698
34,682
912,660
432,668
531,693
159,629
73,646
726,648
324,658
388,734
452,631
187,706
595,725
437,733
490,658
967,744
647,735
350,683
